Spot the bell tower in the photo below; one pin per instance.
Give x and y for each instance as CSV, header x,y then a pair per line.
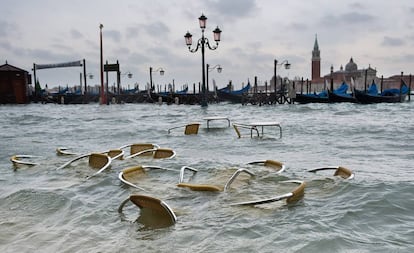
x,y
316,61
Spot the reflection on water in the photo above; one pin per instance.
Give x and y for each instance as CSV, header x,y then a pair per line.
x,y
44,209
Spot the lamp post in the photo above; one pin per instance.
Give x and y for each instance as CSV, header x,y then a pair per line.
x,y
287,66
219,69
103,98
332,81
202,43
90,76
161,70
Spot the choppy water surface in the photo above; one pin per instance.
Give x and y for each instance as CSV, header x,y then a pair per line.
x,y
47,210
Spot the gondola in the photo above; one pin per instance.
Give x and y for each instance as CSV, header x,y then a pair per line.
x,y
325,96
321,97
341,95
236,96
387,96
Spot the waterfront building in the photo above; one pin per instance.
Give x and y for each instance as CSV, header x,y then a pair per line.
x,y
14,85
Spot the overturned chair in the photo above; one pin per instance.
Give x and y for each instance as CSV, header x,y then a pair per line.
x,y
154,212
209,187
189,129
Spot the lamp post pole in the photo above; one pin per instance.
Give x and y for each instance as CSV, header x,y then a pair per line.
x,y
332,82
103,100
204,99
287,66
151,70
275,78
219,69
202,43
150,78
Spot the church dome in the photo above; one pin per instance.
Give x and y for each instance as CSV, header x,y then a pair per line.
x,y
351,66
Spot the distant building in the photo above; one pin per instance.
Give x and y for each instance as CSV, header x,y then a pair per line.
x,y
14,85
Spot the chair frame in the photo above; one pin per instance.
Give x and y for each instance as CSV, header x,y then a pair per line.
x,y
63,151
206,187
154,152
16,160
135,168
270,163
144,145
290,197
255,127
216,118
107,164
343,172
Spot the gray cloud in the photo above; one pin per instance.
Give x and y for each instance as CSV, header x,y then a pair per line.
x,y
132,32
357,6
355,18
298,26
156,29
232,10
393,42
7,28
347,19
113,34
75,34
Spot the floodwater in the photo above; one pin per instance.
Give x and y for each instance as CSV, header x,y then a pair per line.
x,y
47,210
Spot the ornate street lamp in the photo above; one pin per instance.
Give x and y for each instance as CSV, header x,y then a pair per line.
x,y
161,71
202,43
219,69
286,64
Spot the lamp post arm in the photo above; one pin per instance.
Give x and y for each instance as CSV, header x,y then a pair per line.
x,y
211,47
212,68
199,44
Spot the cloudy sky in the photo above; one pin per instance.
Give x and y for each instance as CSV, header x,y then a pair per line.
x,y
150,33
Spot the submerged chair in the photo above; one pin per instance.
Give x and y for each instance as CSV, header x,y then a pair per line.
x,y
156,153
100,161
208,187
64,151
189,129
340,171
139,147
154,212
95,160
290,197
113,153
18,160
129,175
238,132
278,166
255,126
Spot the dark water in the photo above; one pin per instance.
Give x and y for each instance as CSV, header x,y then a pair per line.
x,y
47,210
